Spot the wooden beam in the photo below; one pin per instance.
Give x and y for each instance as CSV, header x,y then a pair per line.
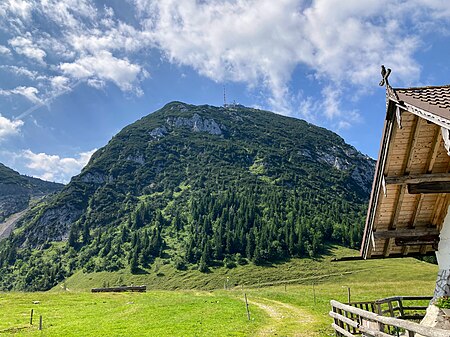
x,y
397,207
411,145
429,187
418,178
418,201
418,241
405,233
435,149
381,257
387,247
405,171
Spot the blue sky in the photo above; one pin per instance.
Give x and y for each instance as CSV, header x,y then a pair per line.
x,y
75,72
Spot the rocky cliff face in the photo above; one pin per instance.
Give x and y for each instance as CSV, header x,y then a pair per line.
x,y
16,191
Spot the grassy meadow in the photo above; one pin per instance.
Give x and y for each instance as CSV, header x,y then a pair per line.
x,y
286,299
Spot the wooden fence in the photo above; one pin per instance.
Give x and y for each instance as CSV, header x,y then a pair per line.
x,y
352,320
120,289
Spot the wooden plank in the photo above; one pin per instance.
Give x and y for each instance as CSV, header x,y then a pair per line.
x,y
412,142
417,178
418,241
342,331
424,248
411,232
388,246
429,187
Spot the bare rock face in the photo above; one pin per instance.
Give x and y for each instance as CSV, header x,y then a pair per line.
x,y
96,178
138,159
159,132
61,219
196,123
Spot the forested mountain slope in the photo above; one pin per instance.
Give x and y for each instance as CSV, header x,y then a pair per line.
x,y
198,186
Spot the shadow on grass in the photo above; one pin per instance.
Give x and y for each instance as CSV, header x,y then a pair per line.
x,y
140,271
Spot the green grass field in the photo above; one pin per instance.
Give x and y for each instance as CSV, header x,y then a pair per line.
x,y
282,299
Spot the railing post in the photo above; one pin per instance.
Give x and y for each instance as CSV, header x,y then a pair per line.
x,y
400,305
380,312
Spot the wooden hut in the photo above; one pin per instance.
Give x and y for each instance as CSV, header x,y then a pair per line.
x,y
408,208
407,213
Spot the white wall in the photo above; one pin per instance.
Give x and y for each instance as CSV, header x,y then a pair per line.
x,y
443,253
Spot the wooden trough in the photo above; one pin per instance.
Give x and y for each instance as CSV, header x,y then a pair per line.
x,y
140,289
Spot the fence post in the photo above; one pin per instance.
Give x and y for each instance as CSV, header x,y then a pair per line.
x,y
314,294
31,317
40,322
246,306
348,294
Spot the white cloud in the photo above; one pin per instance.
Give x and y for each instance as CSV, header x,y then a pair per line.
x,y
60,83
25,46
21,71
4,50
256,42
261,42
20,8
329,106
53,167
9,127
69,14
29,93
104,66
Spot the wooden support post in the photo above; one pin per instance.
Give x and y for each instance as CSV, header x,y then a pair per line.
x,y
31,317
285,287
314,294
40,322
246,306
348,294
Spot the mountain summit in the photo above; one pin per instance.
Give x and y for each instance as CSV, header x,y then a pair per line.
x,y
196,186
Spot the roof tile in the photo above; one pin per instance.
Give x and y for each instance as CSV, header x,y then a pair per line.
x,y
434,99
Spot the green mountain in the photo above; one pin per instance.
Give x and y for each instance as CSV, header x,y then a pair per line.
x,y
16,191
197,187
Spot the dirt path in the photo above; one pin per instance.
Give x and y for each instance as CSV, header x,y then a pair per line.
x,y
7,226
285,319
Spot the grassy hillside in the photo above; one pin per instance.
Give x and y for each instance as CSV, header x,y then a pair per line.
x,y
291,272
275,310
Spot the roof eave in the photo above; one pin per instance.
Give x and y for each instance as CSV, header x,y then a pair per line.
x,y
378,178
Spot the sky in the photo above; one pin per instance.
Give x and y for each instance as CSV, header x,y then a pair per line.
x,y
73,73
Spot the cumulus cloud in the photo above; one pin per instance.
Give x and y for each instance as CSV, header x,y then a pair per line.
x,y
9,127
4,50
69,13
259,43
104,66
24,45
330,106
21,71
53,167
21,8
29,93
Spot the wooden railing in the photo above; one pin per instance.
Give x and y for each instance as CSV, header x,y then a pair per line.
x,y
403,307
352,321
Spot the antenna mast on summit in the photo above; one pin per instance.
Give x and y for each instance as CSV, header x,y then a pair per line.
x,y
224,97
